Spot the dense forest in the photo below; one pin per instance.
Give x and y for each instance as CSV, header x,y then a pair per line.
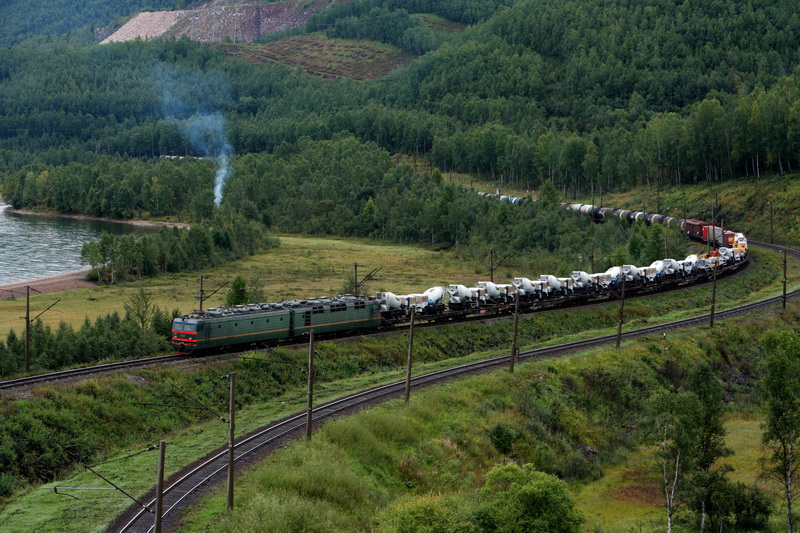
x,y
607,94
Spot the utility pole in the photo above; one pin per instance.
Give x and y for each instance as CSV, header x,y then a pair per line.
x,y
28,321
714,285
514,338
355,279
310,408
410,353
201,292
162,446
231,438
491,265
27,328
784,280
621,311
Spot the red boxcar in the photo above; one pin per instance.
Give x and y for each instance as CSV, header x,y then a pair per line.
x,y
694,228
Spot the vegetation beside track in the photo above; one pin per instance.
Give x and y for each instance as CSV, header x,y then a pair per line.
x,y
49,417
581,418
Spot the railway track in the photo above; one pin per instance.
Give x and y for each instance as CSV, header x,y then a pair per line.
x,y
572,302
86,371
192,482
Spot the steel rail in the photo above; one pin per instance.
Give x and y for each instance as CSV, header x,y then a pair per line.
x,y
86,371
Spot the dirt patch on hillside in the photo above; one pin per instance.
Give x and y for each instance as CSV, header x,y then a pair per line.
x,y
145,26
639,487
220,21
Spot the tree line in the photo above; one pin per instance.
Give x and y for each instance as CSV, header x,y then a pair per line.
x,y
617,112
341,187
110,336
224,237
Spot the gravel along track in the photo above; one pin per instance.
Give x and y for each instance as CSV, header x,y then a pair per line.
x,y
187,486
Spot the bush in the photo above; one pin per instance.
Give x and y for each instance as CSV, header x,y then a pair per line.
x,y
519,499
502,436
7,484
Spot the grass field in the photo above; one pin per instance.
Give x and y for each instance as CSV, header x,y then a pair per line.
x,y
302,267
321,265
628,497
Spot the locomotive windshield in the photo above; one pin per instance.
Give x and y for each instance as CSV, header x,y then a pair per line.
x,y
180,325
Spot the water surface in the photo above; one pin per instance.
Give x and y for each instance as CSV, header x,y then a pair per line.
x,y
33,246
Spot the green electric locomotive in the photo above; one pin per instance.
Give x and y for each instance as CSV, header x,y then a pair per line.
x,y
265,323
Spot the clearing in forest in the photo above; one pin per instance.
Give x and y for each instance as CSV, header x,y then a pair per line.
x,y
328,58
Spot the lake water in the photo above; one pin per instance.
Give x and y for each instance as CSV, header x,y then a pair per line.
x,y
37,246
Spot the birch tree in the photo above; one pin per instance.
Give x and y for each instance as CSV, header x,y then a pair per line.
x,y
780,388
673,435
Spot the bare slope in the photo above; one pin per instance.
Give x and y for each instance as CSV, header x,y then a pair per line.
x,y
220,20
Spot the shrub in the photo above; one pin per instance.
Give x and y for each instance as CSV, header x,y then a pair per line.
x,y
7,484
502,436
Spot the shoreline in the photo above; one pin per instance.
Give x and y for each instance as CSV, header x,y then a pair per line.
x,y
67,281
132,222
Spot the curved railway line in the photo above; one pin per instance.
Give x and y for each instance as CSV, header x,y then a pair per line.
x,y
499,312
189,484
186,486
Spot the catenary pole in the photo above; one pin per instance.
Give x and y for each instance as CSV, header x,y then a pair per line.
x,y
310,408
784,279
27,328
162,446
231,439
621,311
514,339
410,354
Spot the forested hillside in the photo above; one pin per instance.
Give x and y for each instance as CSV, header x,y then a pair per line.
x,y
595,94
21,20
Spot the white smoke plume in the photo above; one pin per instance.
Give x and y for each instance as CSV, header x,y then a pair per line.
x,y
193,100
206,132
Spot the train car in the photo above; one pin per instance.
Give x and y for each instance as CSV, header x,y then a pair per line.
x,y
494,293
712,234
462,297
694,228
217,327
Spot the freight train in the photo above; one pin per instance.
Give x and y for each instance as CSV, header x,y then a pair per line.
x,y
272,323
